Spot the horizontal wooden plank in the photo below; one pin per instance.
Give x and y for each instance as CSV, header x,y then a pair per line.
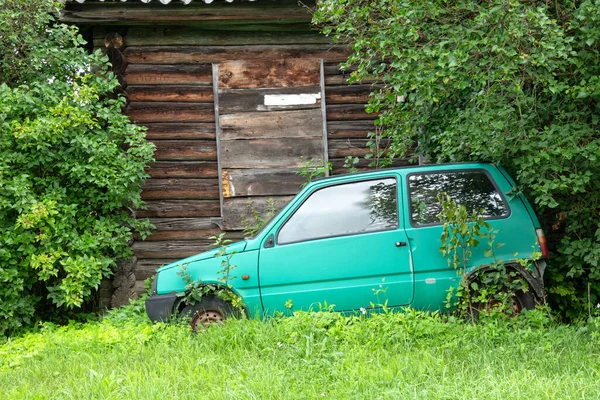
x,y
348,112
187,169
261,182
341,170
149,74
181,93
175,189
145,269
183,229
181,208
180,130
183,224
354,94
273,124
335,75
154,13
270,153
155,263
204,234
201,150
330,69
216,54
242,26
337,80
349,129
171,249
362,165
142,112
160,36
235,208
289,72
248,100
348,147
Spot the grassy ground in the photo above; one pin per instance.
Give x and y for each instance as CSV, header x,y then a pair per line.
x,y
309,356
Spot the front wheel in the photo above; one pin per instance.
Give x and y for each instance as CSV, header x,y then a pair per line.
x,y
208,311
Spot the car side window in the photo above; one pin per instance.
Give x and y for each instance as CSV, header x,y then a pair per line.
x,y
473,189
345,209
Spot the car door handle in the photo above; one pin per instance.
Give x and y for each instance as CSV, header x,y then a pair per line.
x,y
400,244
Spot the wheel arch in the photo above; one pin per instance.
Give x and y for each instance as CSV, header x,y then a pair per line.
x,y
536,284
181,303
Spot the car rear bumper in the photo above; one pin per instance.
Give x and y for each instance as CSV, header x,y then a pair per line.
x,y
160,307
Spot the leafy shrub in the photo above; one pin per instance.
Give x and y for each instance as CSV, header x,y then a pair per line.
x,y
313,169
71,166
254,219
513,82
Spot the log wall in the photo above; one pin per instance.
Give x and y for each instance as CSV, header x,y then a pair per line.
x,y
166,58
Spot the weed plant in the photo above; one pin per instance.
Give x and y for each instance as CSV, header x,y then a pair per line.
x,y
311,355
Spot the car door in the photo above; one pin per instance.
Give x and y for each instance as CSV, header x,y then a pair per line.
x,y
478,190
344,246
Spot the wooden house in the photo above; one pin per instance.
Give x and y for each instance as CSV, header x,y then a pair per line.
x,y
233,94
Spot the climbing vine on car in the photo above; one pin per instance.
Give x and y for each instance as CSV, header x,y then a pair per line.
x,y
491,291
195,290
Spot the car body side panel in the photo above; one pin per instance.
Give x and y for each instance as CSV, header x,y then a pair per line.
x,y
348,272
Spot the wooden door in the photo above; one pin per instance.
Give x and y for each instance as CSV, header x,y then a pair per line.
x,y
269,119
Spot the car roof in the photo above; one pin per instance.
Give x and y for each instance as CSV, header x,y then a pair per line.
x,y
408,167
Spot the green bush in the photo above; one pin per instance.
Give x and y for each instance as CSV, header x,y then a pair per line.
x,y
513,82
71,165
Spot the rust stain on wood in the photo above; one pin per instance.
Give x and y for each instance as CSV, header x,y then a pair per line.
x,y
228,190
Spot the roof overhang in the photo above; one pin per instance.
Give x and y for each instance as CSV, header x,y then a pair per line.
x,y
155,1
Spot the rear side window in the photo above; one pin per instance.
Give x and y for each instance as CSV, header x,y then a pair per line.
x,y
346,209
473,189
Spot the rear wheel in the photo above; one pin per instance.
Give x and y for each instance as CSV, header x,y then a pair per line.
x,y
209,311
518,302
523,301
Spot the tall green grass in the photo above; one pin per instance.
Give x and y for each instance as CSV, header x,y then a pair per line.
x,y
308,356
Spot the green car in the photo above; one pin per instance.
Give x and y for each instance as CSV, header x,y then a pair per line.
x,y
358,240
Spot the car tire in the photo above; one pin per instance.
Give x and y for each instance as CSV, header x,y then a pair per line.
x,y
211,310
524,300
519,302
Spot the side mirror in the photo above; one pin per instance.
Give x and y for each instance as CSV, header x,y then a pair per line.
x,y
270,242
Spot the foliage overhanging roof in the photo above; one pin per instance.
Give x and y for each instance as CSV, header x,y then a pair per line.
x,y
155,1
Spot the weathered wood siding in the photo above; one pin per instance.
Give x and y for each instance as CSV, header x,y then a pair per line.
x,y
167,61
270,119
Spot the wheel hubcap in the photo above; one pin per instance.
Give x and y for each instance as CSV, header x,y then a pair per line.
x,y
206,318
515,305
